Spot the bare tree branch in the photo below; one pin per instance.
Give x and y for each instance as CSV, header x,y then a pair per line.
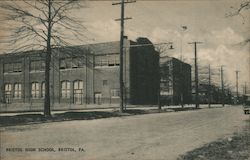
x,y
37,26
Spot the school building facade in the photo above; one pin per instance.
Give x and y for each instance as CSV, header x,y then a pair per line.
x,y
79,76
175,82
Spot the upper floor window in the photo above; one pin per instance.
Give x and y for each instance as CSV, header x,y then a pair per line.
x,y
107,60
36,66
68,63
77,62
17,90
105,82
35,90
12,67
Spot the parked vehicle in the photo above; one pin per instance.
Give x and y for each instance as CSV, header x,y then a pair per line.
x,y
246,105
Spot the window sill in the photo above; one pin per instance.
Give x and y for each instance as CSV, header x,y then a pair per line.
x,y
106,66
37,71
13,73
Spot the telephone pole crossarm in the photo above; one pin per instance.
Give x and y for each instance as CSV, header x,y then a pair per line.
x,y
124,2
126,18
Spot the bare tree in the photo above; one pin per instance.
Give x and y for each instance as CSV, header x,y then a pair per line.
x,y
241,10
162,50
42,24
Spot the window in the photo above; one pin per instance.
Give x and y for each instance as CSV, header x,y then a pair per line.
x,y
43,90
68,63
105,82
8,92
98,98
36,66
115,93
65,63
65,89
114,61
101,63
77,62
17,67
107,60
8,89
35,90
17,90
78,92
12,67
7,68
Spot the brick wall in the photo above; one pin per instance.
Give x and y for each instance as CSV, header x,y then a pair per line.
x,y
99,84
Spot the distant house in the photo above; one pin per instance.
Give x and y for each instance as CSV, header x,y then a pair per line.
x,y
175,82
80,75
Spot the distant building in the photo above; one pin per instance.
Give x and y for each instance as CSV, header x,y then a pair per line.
x,y
175,82
216,94
80,75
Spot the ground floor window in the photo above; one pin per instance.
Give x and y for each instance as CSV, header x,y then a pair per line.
x,y
115,93
43,90
8,92
78,92
98,98
65,89
35,90
17,90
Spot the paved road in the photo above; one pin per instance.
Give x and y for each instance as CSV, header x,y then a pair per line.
x,y
153,136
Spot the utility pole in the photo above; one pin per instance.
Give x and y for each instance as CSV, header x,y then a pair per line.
x,y
237,92
184,28
209,86
248,91
196,74
245,88
122,3
222,87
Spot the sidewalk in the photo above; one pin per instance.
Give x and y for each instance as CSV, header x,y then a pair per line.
x,y
95,108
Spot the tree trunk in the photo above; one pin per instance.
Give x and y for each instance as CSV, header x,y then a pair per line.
x,y
47,84
47,112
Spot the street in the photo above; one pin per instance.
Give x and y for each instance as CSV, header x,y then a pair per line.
x,y
152,136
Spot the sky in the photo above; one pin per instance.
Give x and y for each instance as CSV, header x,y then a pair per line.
x,y
161,22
